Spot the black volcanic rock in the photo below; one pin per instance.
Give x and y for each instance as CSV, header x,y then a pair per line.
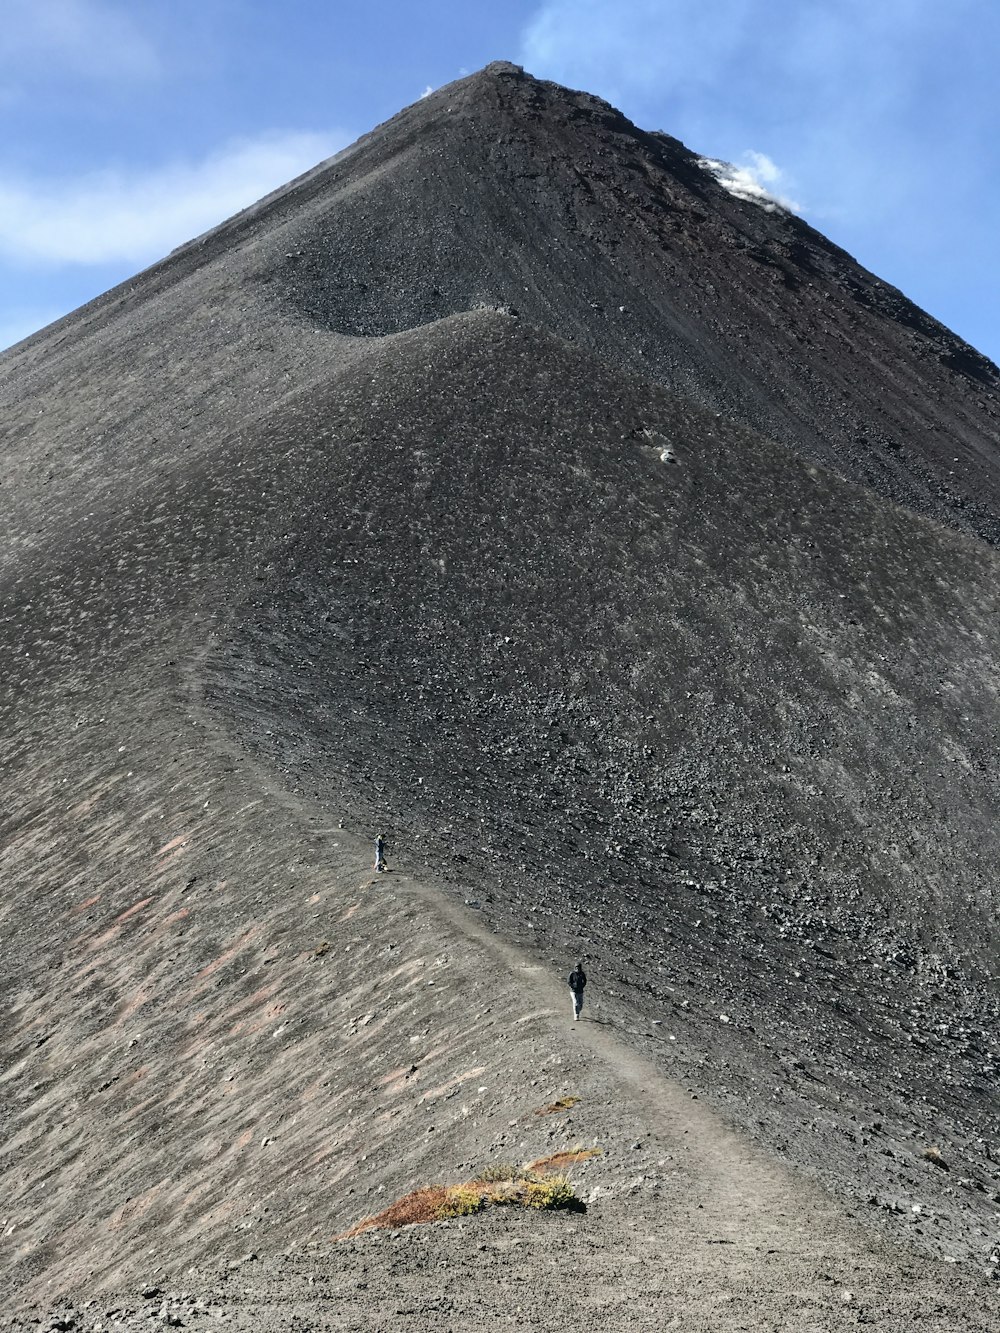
x,y
503,191
623,552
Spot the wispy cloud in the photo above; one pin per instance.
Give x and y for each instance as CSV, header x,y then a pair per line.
x,y
94,38
137,216
756,179
625,46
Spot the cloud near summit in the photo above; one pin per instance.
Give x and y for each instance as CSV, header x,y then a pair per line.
x,y
136,216
853,99
634,47
756,179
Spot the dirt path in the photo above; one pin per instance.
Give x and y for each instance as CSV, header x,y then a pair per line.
x,y
738,1185
688,1226
707,1234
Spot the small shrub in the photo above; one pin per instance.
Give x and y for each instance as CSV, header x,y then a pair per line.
x,y
498,1171
462,1201
499,1185
420,1206
550,1192
934,1155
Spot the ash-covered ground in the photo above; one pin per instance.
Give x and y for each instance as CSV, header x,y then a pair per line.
x,y
715,720
623,551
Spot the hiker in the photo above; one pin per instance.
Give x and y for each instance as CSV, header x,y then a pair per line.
x,y
577,981
379,854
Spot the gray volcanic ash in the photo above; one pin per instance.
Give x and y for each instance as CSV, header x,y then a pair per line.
x,y
625,552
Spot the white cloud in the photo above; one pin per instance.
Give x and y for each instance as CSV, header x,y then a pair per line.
x,y
138,216
427,92
95,38
757,180
854,96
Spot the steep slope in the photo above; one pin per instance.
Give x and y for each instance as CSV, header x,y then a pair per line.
x,y
508,191
660,691
482,629
290,559
502,190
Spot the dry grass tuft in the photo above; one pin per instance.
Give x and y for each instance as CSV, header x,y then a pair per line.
x,y
497,1186
423,1205
934,1155
559,1161
561,1104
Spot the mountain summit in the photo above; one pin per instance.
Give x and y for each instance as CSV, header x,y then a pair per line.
x,y
504,191
624,553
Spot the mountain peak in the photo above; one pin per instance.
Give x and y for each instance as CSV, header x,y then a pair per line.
x,y
497,68
503,190
304,541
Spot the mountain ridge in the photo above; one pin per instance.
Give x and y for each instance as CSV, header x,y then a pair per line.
x,y
697,288
620,671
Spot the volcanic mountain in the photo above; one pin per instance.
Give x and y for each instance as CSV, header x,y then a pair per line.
x,y
626,554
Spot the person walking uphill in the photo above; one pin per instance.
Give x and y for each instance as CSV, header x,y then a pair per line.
x,y
577,981
379,854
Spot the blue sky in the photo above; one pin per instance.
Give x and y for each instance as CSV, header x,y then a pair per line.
x,y
131,125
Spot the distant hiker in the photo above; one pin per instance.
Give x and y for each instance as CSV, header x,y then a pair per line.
x,y
379,854
577,981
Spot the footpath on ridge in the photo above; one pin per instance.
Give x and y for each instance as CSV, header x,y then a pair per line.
x,y
346,1038
687,1226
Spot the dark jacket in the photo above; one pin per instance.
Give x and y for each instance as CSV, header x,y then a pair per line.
x,y
577,979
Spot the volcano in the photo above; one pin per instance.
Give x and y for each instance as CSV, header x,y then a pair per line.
x,y
625,554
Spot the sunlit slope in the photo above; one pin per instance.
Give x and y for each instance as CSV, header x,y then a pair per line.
x,y
225,1040
656,689
298,546
649,684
